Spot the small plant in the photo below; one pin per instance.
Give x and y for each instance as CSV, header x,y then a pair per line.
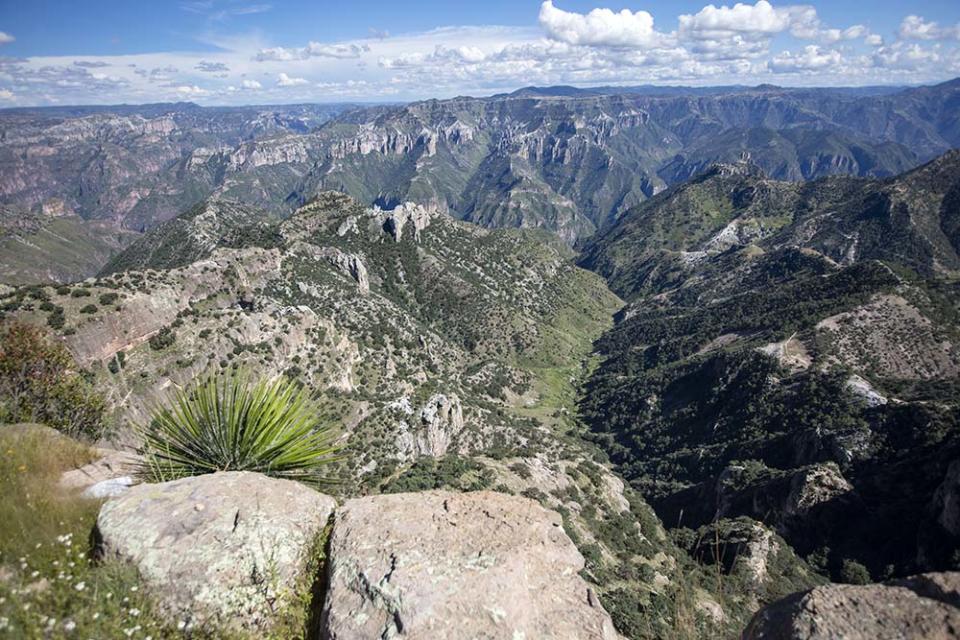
x,y
108,298
229,423
162,339
90,308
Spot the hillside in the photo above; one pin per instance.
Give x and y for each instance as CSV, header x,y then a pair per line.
x,y
790,352
451,354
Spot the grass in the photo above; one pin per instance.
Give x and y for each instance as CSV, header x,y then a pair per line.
x,y
50,586
51,583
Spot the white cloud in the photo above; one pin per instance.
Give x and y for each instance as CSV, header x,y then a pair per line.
x,y
211,67
253,85
313,50
916,28
191,90
901,55
812,58
599,27
6,94
874,40
712,21
6,37
283,80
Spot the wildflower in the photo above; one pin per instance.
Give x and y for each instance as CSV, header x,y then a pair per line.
x,y
22,468
133,588
181,625
96,615
34,574
69,626
109,595
4,623
80,586
134,612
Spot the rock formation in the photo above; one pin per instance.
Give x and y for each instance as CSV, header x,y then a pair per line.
x,y
227,549
444,565
924,607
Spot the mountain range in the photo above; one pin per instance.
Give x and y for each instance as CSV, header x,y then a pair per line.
x,y
567,160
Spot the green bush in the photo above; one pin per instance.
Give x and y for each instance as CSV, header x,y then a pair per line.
x,y
852,572
108,298
162,339
229,423
39,383
80,293
90,308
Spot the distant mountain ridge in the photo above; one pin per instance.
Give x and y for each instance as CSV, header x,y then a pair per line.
x,y
558,158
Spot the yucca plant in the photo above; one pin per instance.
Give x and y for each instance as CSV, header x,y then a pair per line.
x,y
230,423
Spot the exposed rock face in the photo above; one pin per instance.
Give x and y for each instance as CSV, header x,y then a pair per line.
x,y
815,485
352,265
441,418
921,607
417,216
225,549
448,565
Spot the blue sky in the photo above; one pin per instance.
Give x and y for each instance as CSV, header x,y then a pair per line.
x,y
252,51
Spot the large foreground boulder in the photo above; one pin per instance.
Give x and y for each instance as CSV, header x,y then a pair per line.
x,y
449,565
924,607
226,550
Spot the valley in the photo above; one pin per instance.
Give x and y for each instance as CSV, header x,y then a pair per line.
x,y
715,333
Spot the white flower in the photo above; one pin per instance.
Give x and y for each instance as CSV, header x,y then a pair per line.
x,y
181,625
80,586
96,615
34,574
134,588
134,612
69,626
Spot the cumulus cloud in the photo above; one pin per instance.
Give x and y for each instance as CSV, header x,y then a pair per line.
x,y
312,50
6,94
901,55
252,85
286,81
91,64
599,27
916,28
812,58
6,37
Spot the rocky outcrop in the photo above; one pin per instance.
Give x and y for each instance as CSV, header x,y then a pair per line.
x,y
922,607
351,265
415,215
814,485
227,549
445,565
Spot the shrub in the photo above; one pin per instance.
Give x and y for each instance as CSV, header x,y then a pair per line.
x,y
108,298
38,383
90,308
162,339
852,572
80,293
228,423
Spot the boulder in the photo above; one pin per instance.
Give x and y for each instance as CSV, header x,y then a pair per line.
x,y
456,565
224,550
923,607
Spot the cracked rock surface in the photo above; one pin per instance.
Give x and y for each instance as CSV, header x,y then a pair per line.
x,y
438,564
225,550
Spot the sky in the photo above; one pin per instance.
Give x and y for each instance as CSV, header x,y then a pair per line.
x,y
231,52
